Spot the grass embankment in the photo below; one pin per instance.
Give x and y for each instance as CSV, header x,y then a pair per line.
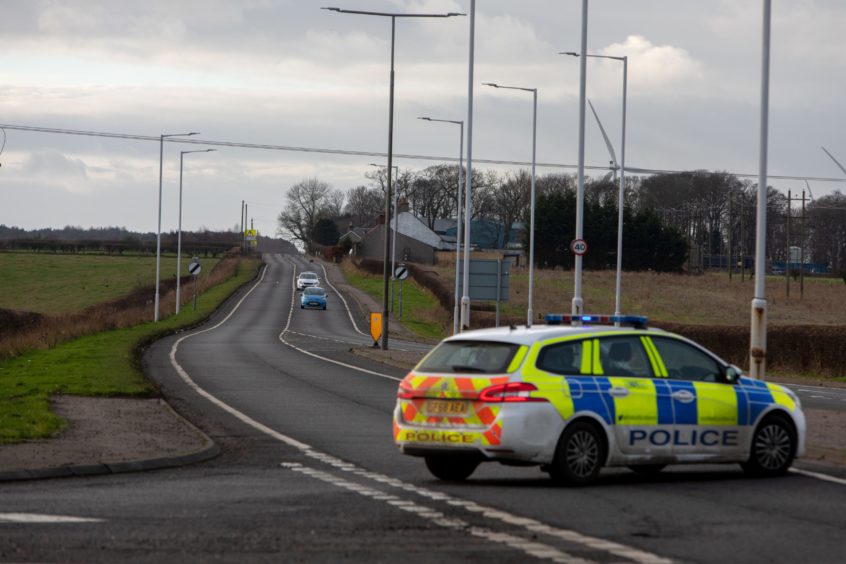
x,y
422,314
56,283
102,364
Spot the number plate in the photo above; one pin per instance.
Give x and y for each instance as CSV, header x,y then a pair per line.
x,y
447,407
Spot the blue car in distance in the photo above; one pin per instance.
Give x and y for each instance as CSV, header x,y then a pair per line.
x,y
313,297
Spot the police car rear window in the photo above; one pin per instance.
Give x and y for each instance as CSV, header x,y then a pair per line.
x,y
469,357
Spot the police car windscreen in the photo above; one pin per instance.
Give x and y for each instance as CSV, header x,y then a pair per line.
x,y
472,357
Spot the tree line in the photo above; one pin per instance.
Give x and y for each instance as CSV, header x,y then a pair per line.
x,y
670,219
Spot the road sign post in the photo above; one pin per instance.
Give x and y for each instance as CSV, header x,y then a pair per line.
x,y
194,270
400,273
578,246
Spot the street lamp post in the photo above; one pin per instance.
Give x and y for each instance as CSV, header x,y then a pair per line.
x,y
621,194
534,91
179,232
578,302
456,315
396,229
393,17
159,230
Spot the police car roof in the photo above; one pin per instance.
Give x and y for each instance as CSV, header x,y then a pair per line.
x,y
528,335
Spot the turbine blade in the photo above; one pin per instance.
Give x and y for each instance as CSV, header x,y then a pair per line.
x,y
605,136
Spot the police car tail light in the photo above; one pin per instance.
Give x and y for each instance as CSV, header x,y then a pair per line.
x,y
509,392
405,391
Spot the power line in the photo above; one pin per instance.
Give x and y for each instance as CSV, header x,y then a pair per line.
x,y
213,143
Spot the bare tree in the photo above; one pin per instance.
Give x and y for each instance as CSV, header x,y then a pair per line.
x,y
364,203
307,202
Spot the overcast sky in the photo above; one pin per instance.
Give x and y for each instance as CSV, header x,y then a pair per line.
x,y
284,72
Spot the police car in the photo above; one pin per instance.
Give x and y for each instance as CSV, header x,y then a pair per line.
x,y
581,393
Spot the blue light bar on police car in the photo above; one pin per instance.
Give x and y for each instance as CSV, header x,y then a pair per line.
x,y
632,320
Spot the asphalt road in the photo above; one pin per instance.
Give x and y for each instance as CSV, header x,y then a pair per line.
x,y
309,473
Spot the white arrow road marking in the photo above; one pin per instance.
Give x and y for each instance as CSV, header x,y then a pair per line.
x,y
42,518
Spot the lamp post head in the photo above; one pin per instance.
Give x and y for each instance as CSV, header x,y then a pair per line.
x,y
490,84
331,9
571,53
426,118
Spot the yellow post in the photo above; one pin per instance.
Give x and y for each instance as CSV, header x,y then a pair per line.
x,y
376,327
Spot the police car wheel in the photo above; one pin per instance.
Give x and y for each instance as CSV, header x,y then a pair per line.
x,y
579,455
773,448
451,468
647,468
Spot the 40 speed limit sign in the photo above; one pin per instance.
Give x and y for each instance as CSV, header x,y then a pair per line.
x,y
578,246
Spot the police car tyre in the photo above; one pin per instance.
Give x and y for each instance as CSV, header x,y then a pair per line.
x,y
579,456
647,468
451,468
773,447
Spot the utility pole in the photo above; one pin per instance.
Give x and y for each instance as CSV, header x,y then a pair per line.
x,y
802,252
242,224
246,215
787,245
730,229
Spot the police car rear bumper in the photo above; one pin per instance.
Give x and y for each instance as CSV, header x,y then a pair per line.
x,y
526,432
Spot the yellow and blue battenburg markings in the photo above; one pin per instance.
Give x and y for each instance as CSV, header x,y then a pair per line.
x,y
654,405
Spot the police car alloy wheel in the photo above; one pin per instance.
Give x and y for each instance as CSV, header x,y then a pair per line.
x,y
773,448
579,456
452,468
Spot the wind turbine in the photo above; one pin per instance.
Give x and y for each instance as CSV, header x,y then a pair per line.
x,y
607,142
832,158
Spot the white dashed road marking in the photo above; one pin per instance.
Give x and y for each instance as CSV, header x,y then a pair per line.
x,y
42,518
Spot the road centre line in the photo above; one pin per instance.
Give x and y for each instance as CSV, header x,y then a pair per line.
x,y
40,518
513,520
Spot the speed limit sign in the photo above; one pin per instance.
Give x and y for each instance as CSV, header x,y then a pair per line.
x,y
579,247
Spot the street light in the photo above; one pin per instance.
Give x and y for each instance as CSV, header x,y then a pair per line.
x,y
159,231
394,237
179,232
456,315
621,195
578,302
393,17
534,91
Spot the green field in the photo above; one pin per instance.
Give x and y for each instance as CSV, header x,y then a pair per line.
x,y
102,364
54,283
422,314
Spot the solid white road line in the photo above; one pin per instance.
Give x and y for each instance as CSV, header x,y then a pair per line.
x,y
352,320
819,476
42,518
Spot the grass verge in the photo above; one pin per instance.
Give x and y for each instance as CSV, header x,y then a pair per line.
x,y
58,284
422,314
102,364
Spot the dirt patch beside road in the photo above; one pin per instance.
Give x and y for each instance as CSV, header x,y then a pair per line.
x,y
103,431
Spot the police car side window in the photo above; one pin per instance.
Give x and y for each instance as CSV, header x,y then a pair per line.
x,y
624,356
561,358
685,362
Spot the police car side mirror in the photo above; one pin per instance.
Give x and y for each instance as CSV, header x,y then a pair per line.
x,y
733,374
